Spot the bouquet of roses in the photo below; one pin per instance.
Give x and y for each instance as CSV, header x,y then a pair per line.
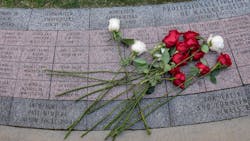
x,y
167,58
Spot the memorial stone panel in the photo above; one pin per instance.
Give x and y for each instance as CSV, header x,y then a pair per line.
x,y
5,105
59,19
14,19
207,107
46,114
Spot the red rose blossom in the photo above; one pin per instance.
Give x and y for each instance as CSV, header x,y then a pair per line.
x,y
190,34
197,55
192,43
171,39
179,80
203,68
225,60
174,71
178,58
182,47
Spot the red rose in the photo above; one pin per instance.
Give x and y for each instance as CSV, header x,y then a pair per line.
x,y
182,47
203,68
197,55
179,80
225,60
171,39
174,71
178,58
190,34
192,43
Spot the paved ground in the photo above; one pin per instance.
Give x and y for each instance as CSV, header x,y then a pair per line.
x,y
229,130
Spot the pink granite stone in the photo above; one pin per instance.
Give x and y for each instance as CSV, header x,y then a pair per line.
x,y
6,87
14,37
147,35
34,71
237,24
71,55
215,27
244,73
228,78
73,38
110,94
10,53
8,69
100,38
60,87
104,67
242,56
41,38
70,68
239,40
164,30
32,89
104,54
38,54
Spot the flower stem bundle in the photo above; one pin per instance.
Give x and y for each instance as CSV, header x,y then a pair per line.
x,y
177,50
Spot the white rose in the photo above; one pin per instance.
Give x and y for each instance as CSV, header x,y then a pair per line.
x,y
114,24
139,47
216,43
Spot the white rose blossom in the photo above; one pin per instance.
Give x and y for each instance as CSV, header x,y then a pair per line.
x,y
114,24
216,43
139,47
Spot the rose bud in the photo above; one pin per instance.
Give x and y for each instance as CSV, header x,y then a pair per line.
x,y
171,39
138,47
225,60
203,68
192,43
114,25
190,34
174,71
182,47
197,55
179,80
178,58
216,43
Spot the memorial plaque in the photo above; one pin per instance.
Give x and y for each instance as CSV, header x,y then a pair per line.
x,y
95,117
240,40
130,17
58,87
158,119
2,37
247,88
224,81
46,114
207,107
215,27
59,19
73,38
8,69
5,105
41,38
242,56
14,19
6,87
104,54
14,37
34,71
236,25
147,35
71,68
244,73
99,38
72,55
37,54
162,15
10,53
32,89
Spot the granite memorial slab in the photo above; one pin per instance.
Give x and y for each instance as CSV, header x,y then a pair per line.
x,y
5,105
